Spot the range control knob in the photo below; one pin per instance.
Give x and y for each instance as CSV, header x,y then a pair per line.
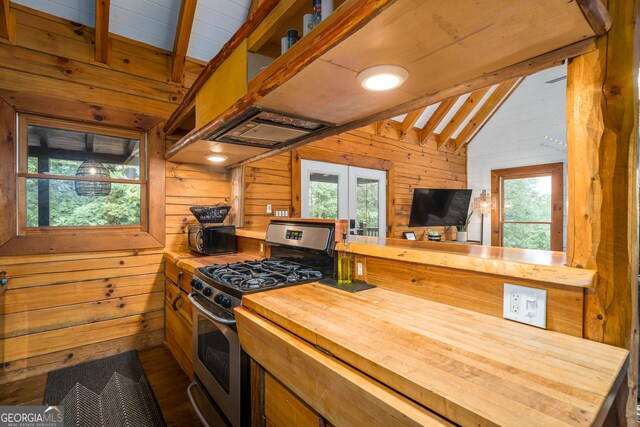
x,y
207,291
218,298
196,284
226,302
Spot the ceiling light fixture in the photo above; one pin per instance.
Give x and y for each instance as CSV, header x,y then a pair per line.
x,y
217,158
382,77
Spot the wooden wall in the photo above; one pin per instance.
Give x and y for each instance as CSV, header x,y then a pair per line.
x,y
60,310
270,180
189,185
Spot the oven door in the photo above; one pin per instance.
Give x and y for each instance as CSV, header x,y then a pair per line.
x,y
217,356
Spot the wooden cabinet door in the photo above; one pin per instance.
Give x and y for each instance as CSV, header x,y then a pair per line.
x,y
178,330
284,409
178,276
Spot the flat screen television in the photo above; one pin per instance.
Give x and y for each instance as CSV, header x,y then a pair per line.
x,y
433,207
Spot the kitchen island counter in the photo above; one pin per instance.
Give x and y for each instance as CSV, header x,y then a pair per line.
x,y
468,367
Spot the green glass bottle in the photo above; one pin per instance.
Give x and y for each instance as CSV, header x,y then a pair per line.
x,y
344,262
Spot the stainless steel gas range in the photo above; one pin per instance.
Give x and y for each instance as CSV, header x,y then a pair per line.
x,y
301,252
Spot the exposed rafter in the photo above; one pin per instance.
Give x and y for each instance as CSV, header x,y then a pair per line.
x,y
431,125
463,112
486,111
254,4
6,23
460,127
181,41
379,126
409,121
102,31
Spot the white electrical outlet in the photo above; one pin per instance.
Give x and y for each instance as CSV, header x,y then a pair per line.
x,y
525,305
269,209
359,269
514,303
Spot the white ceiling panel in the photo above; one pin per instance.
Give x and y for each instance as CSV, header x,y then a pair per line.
x,y
154,21
399,118
82,11
445,121
151,22
473,112
426,115
214,24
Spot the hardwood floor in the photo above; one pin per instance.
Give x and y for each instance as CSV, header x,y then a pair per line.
x,y
168,381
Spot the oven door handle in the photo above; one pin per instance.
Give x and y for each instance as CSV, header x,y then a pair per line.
x,y
193,403
206,313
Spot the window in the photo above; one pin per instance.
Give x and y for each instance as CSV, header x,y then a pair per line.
x,y
77,185
79,175
529,214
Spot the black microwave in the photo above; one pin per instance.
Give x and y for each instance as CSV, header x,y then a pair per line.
x,y
212,239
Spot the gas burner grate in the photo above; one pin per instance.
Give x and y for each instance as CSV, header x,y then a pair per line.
x,y
268,273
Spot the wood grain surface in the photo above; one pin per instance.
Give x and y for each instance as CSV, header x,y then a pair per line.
x,y
518,263
468,367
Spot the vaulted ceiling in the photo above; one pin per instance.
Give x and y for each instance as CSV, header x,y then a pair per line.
x,y
155,21
454,122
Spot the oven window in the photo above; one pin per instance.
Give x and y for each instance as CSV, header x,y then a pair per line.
x,y
213,351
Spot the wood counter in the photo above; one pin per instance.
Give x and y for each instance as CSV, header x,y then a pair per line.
x,y
470,368
543,266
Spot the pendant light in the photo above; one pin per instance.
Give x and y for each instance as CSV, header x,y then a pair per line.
x,y
95,169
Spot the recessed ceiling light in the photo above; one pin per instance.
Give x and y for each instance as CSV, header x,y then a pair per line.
x,y
217,158
382,77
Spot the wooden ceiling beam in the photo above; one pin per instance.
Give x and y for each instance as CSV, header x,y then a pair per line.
x,y
460,116
253,6
102,31
6,23
488,109
409,121
431,125
379,126
181,41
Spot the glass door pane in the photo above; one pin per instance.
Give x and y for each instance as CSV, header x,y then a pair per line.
x,y
367,201
324,190
527,236
323,196
527,199
526,208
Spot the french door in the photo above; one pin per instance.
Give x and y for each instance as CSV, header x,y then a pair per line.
x,y
334,191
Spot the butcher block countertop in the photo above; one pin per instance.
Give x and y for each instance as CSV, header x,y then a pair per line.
x,y
470,368
543,266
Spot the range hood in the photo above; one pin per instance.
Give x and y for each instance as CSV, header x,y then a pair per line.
x,y
256,127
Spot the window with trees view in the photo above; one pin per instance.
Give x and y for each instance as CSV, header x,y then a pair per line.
x,y
529,213
77,175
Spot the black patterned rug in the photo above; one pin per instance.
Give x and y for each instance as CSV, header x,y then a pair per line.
x,y
109,392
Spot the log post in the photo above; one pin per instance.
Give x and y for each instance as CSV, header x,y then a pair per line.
x,y
602,137
237,196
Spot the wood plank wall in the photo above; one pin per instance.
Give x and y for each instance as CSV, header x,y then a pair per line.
x,y
412,166
189,185
60,310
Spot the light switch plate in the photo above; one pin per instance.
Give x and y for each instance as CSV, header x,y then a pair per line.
x,y
525,305
269,209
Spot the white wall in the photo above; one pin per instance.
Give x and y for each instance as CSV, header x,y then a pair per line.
x,y
519,135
